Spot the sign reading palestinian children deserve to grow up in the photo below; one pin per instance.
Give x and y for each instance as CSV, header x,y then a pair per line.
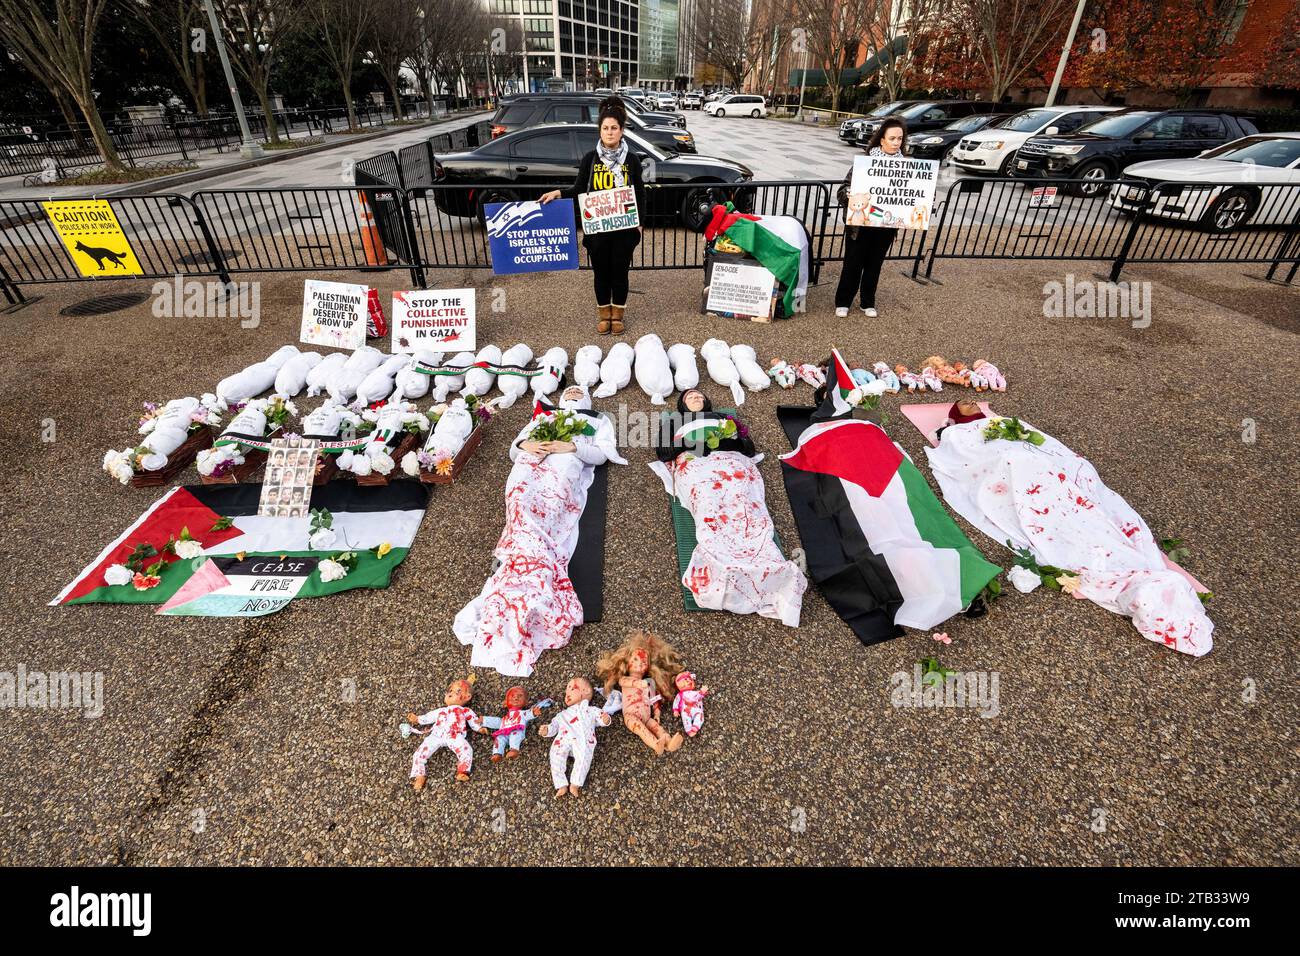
x,y
609,210
892,191
531,237
93,237
740,289
334,314
438,319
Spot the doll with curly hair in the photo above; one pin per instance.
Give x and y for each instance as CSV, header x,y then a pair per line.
x,y
643,668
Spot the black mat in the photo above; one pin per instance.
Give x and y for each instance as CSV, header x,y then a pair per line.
x,y
855,581
587,566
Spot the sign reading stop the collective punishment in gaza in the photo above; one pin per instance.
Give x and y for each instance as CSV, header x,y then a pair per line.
x,y
609,210
438,319
334,314
892,191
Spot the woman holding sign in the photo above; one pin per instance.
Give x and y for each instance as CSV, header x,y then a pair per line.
x,y
866,246
611,165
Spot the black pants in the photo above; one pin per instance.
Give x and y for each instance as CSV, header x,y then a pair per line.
x,y
611,257
864,254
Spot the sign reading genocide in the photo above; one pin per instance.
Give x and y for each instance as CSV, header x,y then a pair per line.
x,y
892,191
439,319
609,210
740,289
93,237
531,237
334,314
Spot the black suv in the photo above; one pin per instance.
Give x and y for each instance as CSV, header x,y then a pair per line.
x,y
522,110
926,115
1104,148
850,127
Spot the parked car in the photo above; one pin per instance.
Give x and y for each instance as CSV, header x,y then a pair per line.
x,y
1223,189
518,166
665,100
1099,150
717,95
925,115
939,143
850,127
532,109
693,100
992,150
738,104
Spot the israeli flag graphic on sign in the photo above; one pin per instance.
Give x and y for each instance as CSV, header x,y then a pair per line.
x,y
531,237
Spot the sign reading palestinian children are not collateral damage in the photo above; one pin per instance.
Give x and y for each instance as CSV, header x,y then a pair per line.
x,y
740,290
93,237
609,210
334,314
438,319
892,191
531,237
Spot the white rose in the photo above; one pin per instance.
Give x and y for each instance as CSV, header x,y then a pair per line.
x,y
360,465
205,463
411,464
189,549
1023,579
110,457
344,460
153,462
123,471
854,397
876,387
118,574
332,571
382,463
322,539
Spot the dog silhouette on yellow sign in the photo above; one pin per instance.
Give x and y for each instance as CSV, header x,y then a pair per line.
x,y
93,237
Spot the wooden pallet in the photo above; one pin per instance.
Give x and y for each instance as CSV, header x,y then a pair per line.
x,y
197,440
430,477
408,443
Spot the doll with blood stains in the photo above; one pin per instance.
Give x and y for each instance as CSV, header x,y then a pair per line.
x,y
447,727
642,668
509,729
573,736
688,705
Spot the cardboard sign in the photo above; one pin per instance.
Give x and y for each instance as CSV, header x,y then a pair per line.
x,y
334,314
1042,196
93,237
235,587
892,192
530,237
438,319
290,471
740,289
609,210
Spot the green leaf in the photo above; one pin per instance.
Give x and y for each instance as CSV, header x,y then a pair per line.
x,y
222,523
141,553
1205,596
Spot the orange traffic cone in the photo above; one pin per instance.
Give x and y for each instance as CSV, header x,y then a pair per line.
x,y
371,242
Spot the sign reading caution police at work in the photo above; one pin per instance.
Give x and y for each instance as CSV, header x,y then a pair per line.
x,y
93,237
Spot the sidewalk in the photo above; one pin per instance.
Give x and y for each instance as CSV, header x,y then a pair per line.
x,y
320,165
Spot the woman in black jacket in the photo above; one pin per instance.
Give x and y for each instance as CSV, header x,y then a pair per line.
x,y
865,247
611,165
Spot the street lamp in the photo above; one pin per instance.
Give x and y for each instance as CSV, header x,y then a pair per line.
x,y
247,148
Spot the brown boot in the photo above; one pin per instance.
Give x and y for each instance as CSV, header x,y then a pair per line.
x,y
604,313
616,318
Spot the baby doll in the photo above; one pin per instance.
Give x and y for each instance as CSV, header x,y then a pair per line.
x,y
509,729
989,372
574,730
930,379
885,374
447,729
640,668
948,374
861,376
909,380
689,702
782,373
811,374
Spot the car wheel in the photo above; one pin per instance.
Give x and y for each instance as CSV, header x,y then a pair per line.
x,y
491,194
1091,180
753,114
1230,211
1005,169
946,158
719,113
697,207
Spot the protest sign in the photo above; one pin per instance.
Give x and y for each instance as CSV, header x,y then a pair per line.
x,y
531,237
439,319
740,290
609,210
290,472
334,314
891,191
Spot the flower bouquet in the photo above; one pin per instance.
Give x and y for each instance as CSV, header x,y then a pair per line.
x,y
1012,429
397,429
241,449
455,436
335,429
174,434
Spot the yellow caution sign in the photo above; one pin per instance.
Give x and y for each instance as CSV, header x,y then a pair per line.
x,y
93,237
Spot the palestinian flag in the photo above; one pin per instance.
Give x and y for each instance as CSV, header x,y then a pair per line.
x,y
364,517
780,243
880,545
840,387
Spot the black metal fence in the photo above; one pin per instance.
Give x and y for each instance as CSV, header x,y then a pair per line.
x,y
379,225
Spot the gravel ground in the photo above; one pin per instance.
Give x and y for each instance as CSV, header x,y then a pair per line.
x,y
231,742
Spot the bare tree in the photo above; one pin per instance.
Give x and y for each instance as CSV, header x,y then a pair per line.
x,y
722,38
344,25
395,36
769,37
254,30
1011,36
898,38
835,31
170,22
54,40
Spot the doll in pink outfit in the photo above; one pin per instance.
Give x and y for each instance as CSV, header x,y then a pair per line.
x,y
688,705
